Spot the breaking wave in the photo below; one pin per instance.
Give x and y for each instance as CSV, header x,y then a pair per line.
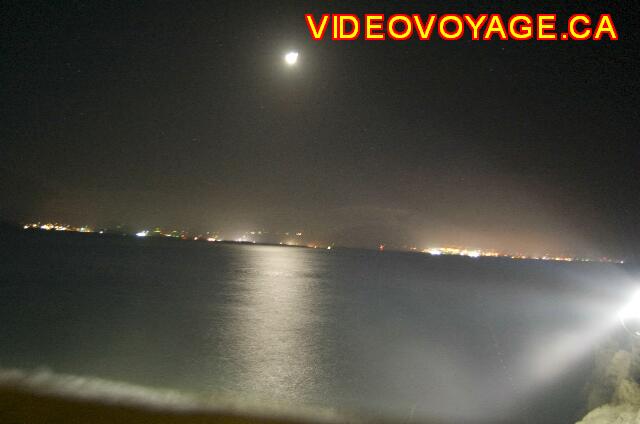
x,y
43,382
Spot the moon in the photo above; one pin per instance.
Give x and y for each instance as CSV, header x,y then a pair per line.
x,y
291,58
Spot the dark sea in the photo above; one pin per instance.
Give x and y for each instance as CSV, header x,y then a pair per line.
x,y
384,334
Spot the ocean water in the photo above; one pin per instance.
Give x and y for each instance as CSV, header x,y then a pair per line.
x,y
399,335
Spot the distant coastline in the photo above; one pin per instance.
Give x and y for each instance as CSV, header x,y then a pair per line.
x,y
205,238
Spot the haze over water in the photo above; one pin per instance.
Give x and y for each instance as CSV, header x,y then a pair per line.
x,y
393,334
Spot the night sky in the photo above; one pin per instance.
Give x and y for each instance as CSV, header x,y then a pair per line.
x,y
184,114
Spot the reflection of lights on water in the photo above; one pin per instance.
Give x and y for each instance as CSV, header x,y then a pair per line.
x,y
273,321
630,315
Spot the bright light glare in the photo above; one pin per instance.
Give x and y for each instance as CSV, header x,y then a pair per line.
x,y
291,58
142,233
551,357
630,315
548,358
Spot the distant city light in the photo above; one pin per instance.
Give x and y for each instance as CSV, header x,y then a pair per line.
x,y
477,253
249,237
472,253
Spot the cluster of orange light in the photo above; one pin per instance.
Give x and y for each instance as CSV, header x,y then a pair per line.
x,y
476,253
57,227
434,251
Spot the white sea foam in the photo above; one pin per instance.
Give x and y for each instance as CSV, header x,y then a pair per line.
x,y
46,382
